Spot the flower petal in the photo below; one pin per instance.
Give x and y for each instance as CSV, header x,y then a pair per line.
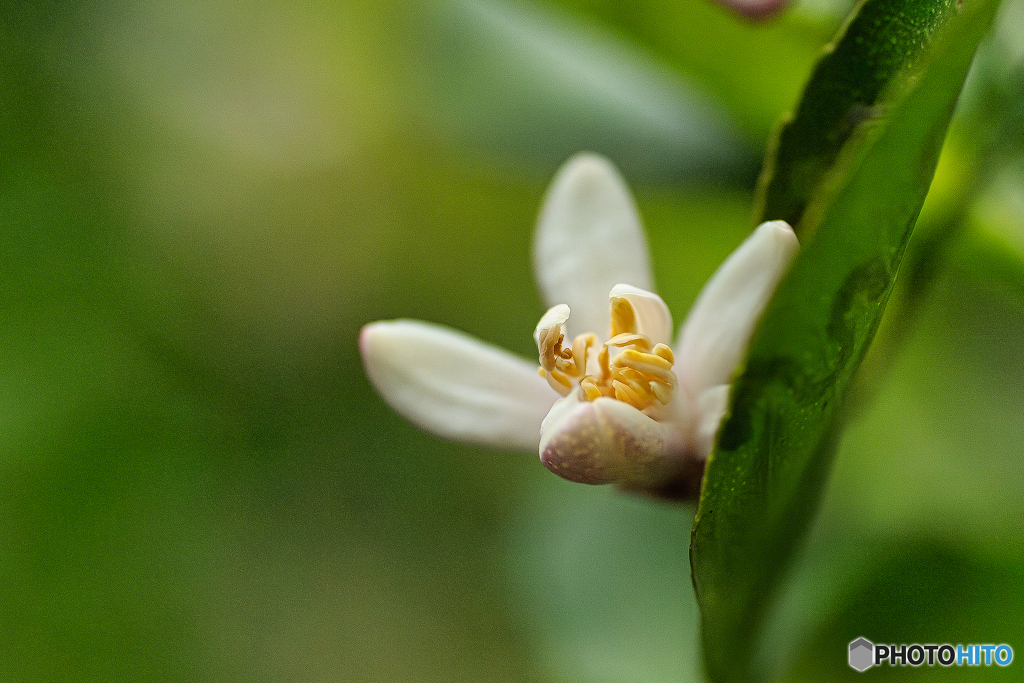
x,y
605,441
718,330
455,386
712,404
652,315
589,239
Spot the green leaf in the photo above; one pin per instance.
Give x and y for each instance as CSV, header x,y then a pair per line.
x,y
851,171
850,88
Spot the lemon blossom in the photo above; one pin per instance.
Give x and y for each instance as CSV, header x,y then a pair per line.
x,y
613,401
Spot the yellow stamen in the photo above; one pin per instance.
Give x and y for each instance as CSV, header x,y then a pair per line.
x,y
640,373
639,341
654,367
549,346
559,382
623,316
625,393
580,350
590,388
662,392
664,351
602,361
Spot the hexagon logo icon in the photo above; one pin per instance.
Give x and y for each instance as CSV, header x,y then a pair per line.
x,y
862,654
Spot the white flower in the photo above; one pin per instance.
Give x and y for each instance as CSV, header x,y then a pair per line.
x,y
626,407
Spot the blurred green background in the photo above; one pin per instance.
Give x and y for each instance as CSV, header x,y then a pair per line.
x,y
200,205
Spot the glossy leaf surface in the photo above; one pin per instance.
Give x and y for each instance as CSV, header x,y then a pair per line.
x,y
851,171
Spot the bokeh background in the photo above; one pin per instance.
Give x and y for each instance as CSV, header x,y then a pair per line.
x,y
202,202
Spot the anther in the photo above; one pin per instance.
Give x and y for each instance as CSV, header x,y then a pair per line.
x,y
549,337
559,382
626,394
623,316
548,350
662,392
642,389
640,373
639,341
646,363
664,351
590,388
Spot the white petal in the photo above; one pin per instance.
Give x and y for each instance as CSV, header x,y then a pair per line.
x,y
455,386
652,315
712,405
589,239
604,441
718,330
